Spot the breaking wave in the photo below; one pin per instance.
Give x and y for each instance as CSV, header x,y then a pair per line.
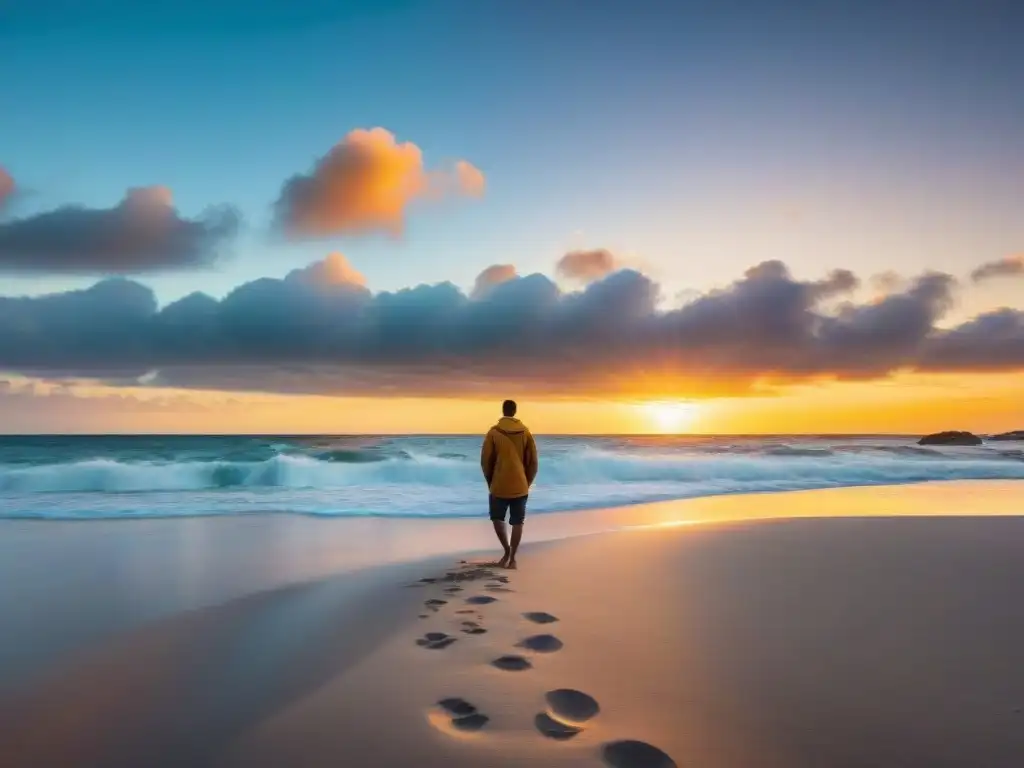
x,y
441,476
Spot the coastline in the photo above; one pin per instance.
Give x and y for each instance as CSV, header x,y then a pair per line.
x,y
284,647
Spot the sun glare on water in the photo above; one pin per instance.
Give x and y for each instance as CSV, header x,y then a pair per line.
x,y
669,417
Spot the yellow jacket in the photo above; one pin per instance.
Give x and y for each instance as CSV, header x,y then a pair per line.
x,y
509,459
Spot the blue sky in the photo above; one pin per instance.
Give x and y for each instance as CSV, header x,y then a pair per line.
x,y
696,137
693,139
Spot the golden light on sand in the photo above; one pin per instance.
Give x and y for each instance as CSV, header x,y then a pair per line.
x,y
670,417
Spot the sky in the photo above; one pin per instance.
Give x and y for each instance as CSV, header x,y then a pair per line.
x,y
656,215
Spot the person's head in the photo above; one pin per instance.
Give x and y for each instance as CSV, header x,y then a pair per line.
x,y
508,408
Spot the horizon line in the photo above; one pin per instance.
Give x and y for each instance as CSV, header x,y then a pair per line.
x,y
475,434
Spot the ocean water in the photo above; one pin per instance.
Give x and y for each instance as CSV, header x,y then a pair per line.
x,y
83,477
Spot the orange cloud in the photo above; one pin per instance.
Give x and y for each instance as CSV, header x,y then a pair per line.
x,y
156,200
470,179
334,269
6,185
366,183
496,274
586,266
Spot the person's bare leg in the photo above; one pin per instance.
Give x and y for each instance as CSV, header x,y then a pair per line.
x,y
517,535
499,528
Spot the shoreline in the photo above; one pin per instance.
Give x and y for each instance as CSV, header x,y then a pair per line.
x,y
987,483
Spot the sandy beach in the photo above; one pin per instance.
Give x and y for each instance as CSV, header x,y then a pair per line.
x,y
823,637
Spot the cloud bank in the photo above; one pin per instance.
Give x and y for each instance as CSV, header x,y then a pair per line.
x,y
143,233
320,330
366,183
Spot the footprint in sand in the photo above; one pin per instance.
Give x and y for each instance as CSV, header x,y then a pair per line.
x,y
481,599
434,604
512,663
635,754
461,715
436,640
498,588
452,590
553,729
541,644
568,711
472,628
471,573
571,706
540,617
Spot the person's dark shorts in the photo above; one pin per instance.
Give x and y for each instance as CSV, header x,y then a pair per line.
x,y
516,509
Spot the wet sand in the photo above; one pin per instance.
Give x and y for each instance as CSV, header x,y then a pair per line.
x,y
803,642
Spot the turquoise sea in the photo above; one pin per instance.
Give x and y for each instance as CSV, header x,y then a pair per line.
x,y
84,477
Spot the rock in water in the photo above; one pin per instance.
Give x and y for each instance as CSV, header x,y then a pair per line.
x,y
1017,434
950,438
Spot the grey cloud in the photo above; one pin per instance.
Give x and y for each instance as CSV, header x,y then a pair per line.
x,y
993,341
888,282
1009,267
876,338
525,335
838,282
143,233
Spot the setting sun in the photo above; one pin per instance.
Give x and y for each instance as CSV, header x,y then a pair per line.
x,y
670,416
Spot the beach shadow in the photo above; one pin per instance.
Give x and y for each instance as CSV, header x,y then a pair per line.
x,y
181,691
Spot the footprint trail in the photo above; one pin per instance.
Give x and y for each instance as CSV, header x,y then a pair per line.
x,y
568,712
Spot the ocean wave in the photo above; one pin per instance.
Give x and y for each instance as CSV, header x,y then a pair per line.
x,y
786,450
661,473
354,456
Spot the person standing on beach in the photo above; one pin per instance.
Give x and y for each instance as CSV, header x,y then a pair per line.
x,y
509,461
